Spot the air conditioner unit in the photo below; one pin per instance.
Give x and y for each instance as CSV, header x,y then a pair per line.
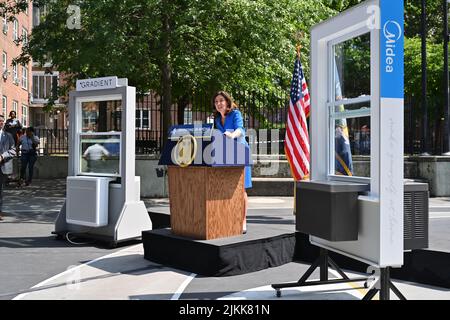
x,y
5,28
16,81
5,74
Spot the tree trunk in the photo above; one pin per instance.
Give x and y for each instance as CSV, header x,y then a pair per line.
x,y
166,73
181,106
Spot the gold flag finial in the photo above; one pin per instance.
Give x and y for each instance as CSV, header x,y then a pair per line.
x,y
299,38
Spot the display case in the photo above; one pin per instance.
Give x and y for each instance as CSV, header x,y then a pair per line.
x,y
99,137
103,192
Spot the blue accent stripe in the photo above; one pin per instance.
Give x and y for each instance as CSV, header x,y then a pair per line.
x,y
391,47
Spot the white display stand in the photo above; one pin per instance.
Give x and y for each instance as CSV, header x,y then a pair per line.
x,y
381,217
380,235
112,211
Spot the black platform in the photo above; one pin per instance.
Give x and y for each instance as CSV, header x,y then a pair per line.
x,y
269,242
272,241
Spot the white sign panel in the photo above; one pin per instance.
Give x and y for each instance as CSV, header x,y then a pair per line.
x,y
97,84
380,236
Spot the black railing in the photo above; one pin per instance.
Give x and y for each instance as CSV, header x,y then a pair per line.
x,y
261,114
260,111
53,141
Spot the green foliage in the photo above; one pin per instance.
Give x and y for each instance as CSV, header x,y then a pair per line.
x,y
214,44
237,45
413,75
354,57
435,24
9,8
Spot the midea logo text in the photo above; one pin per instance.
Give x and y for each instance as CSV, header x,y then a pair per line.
x,y
392,33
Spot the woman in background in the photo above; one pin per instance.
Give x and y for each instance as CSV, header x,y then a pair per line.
x,y
13,126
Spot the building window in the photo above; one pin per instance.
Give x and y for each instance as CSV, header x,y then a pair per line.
x,y
5,25
16,30
4,105
187,116
15,105
39,14
15,74
4,61
142,119
25,77
24,36
24,115
43,85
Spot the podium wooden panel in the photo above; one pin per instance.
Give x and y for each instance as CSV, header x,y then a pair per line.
x,y
206,202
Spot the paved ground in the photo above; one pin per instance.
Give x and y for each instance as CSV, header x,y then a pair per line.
x,y
36,266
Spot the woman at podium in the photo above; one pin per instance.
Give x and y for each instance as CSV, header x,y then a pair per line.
x,y
228,119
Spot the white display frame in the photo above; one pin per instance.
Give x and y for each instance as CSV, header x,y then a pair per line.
x,y
380,238
127,213
79,133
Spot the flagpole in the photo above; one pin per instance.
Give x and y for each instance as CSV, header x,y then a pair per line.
x,y
299,47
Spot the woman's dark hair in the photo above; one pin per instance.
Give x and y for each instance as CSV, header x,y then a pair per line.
x,y
11,112
231,105
30,129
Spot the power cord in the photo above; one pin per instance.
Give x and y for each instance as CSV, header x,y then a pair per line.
x,y
73,242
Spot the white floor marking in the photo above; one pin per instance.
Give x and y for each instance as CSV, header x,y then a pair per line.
x,y
183,286
40,284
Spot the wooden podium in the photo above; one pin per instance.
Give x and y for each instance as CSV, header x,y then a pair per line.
x,y
206,192
206,202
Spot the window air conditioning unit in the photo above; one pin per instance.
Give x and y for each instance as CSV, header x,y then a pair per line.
x,y
5,28
5,74
16,81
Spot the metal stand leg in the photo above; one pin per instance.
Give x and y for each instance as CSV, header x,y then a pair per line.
x,y
323,262
384,281
383,285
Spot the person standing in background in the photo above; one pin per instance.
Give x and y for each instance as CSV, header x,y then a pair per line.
x,y
7,152
13,126
28,157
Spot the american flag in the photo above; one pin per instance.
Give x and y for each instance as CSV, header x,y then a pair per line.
x,y
297,138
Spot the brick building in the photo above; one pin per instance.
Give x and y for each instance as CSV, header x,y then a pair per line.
x,y
44,80
15,84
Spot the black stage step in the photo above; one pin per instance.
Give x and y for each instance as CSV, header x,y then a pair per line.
x,y
262,247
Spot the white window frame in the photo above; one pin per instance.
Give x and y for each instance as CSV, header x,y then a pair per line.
x,y
332,103
5,105
15,30
5,25
25,77
15,74
4,61
42,74
24,36
79,133
187,116
15,105
24,115
141,119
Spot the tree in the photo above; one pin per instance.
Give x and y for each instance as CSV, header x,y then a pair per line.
x,y
177,47
413,82
9,8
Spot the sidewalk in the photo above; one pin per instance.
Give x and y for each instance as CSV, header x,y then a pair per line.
x,y
36,266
